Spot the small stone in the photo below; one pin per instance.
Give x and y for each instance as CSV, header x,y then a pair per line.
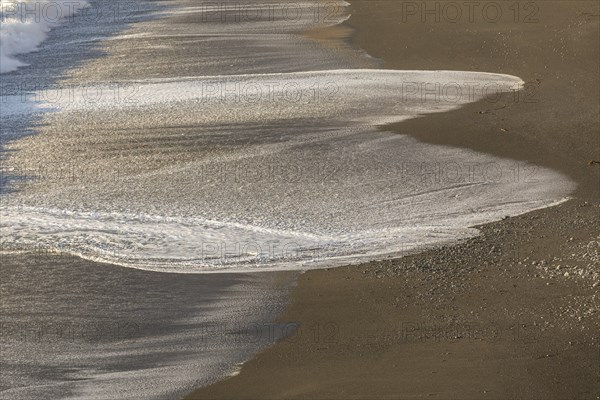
x,y
566,274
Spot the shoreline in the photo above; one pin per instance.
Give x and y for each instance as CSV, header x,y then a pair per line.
x,y
510,313
553,92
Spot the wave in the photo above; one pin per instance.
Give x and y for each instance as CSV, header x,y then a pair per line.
x,y
263,172
25,25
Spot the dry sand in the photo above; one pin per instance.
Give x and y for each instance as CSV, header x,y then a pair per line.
x,y
514,313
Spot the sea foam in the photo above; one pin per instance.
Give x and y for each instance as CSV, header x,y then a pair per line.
x,y
315,184
25,25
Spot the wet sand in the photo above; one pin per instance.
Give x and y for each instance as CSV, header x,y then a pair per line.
x,y
513,313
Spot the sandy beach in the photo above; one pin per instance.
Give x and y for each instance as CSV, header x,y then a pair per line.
x,y
513,313
179,228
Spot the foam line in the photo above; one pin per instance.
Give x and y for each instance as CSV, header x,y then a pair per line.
x,y
25,25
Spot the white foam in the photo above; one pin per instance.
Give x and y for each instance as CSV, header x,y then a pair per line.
x,y
408,92
371,212
172,218
25,25
195,245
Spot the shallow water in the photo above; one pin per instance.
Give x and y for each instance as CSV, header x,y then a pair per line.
x,y
81,330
